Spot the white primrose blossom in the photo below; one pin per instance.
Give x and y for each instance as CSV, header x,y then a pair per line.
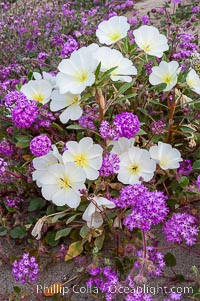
x,y
121,145
193,81
111,58
166,156
69,101
93,214
47,76
62,184
166,73
112,30
39,90
77,72
41,165
150,40
85,154
136,166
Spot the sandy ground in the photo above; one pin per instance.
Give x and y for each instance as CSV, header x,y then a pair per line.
x,y
55,273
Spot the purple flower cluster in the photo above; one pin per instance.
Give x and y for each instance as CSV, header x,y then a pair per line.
x,y
6,148
26,269
155,262
13,202
24,113
88,118
198,182
104,279
13,97
40,145
181,226
174,297
138,295
185,46
148,208
185,167
110,165
3,166
68,47
125,125
157,127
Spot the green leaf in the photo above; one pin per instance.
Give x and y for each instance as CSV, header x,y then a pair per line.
x,y
74,127
56,217
74,250
50,238
17,289
97,70
170,260
3,231
23,141
124,88
125,97
18,232
63,233
196,164
161,87
84,231
106,75
184,182
36,204
71,219
99,241
180,277
141,132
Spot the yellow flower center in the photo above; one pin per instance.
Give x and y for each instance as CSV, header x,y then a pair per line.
x,y
167,78
65,183
115,35
81,160
192,82
75,99
38,96
134,169
82,76
146,47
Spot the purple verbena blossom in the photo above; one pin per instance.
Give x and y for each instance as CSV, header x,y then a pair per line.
x,y
26,269
40,145
24,113
181,226
110,165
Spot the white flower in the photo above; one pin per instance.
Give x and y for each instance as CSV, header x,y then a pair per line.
x,y
39,90
136,166
62,184
150,40
121,145
41,164
111,58
93,214
165,73
193,81
166,156
47,76
71,101
77,72
86,155
113,30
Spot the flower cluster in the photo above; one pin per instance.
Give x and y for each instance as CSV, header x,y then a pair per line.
x,y
3,166
154,262
6,148
185,167
125,125
147,208
13,202
26,269
104,279
110,165
181,226
24,114
13,97
40,145
88,118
